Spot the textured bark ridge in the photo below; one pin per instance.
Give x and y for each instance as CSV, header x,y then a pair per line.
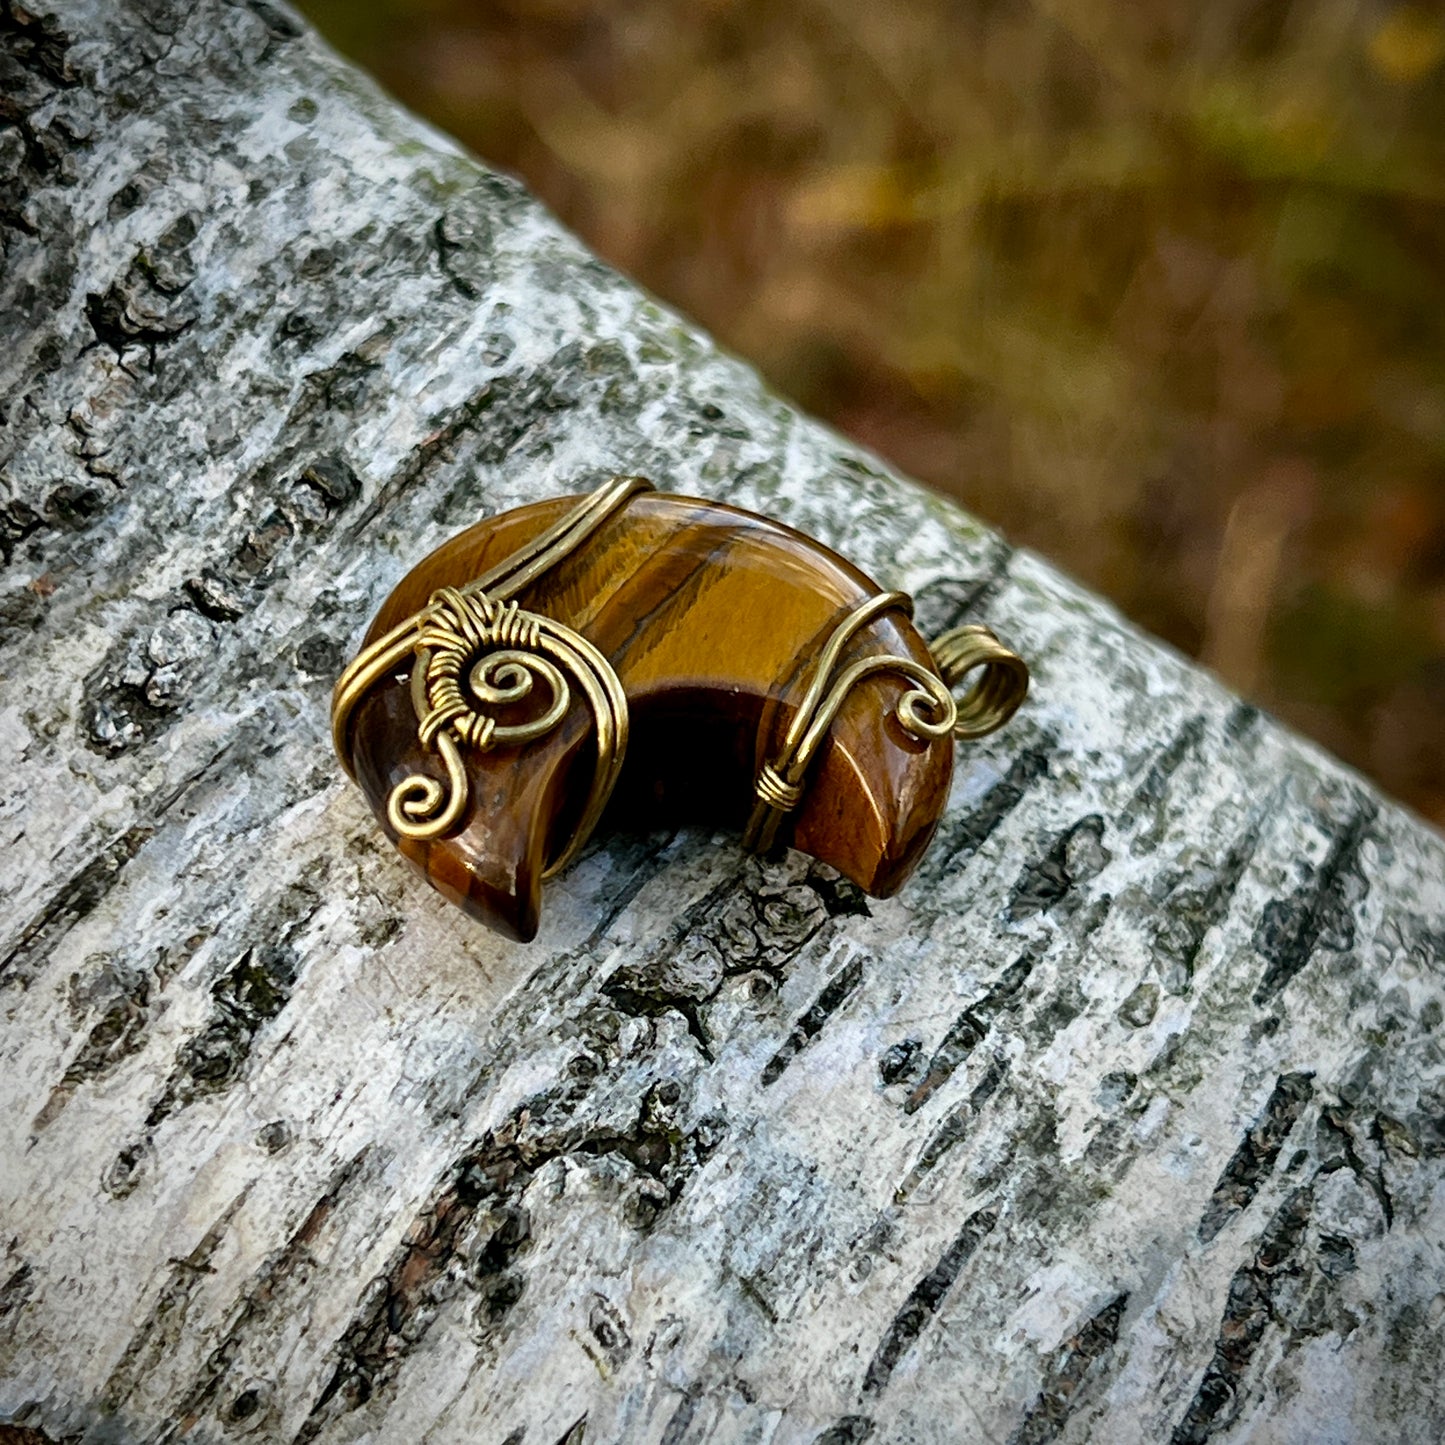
x,y
1124,1121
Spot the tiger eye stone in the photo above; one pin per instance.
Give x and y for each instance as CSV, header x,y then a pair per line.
x,y
711,617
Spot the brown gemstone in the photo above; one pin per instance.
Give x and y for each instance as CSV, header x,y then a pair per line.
x,y
711,618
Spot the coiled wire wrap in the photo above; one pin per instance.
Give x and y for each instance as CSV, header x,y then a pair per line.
x,y
999,691
477,635
472,648
928,711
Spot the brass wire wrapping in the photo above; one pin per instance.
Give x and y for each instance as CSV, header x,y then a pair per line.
x,y
475,630
1000,689
472,649
927,711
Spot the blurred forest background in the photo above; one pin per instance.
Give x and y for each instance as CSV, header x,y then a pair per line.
x,y
1156,286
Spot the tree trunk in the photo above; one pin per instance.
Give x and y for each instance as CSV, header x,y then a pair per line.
x,y
1124,1122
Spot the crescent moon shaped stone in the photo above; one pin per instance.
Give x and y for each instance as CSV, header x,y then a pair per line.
x,y
711,617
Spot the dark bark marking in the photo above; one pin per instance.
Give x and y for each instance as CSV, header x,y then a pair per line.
x,y
1077,1360
686,968
1242,720
38,52
607,1338
1339,1150
1138,1010
123,995
749,1287
1075,856
950,1131
1248,1311
969,1029
83,504
18,611
1110,1151
768,923
463,240
1257,1153
37,43
1194,903
1068,1001
16,1291
142,308
79,896
495,418
113,321
850,1430
960,838
746,924
477,1231
1043,1192
125,1171
987,1086
148,678
636,861
474,1226
345,385
841,897
247,996
166,1322
1115,1090
948,602
332,481
268,1285
834,995
145,679
899,1061
139,307
438,447
1320,914
953,1129
1150,794
281,25
248,745
676,1427
657,1148
640,1005
1336,1256
924,1299
71,508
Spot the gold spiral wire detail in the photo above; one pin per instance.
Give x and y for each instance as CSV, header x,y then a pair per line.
x,y
472,649
389,653
928,710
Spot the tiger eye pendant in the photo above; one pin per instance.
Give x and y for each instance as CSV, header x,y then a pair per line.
x,y
658,660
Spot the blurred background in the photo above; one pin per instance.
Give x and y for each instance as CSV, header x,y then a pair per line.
x,y
1156,286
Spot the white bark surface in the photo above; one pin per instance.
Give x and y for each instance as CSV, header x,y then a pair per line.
x,y
1125,1122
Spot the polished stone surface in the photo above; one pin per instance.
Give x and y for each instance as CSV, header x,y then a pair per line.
x,y
711,617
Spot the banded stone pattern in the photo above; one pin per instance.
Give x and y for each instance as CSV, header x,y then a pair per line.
x,y
1124,1121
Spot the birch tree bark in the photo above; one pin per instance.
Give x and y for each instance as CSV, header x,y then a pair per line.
x,y
1124,1122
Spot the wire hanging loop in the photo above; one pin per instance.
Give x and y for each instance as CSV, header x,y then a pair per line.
x,y
999,689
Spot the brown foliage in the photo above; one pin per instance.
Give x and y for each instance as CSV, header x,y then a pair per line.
x,y
1159,289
